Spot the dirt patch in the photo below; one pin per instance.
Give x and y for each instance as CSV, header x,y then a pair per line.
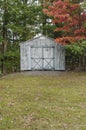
x,y
36,73
43,73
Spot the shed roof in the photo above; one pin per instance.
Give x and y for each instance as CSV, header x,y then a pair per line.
x,y
37,37
41,36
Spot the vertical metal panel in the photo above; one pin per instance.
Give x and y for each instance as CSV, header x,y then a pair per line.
x,y
28,58
57,58
23,57
48,58
36,58
62,58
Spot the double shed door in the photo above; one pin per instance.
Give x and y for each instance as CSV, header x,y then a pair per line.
x,y
42,58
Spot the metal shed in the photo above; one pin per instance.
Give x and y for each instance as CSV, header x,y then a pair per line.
x,y
42,53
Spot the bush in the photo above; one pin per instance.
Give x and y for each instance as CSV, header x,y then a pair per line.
x,y
76,56
10,61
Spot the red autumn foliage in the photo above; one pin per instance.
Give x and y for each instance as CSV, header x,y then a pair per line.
x,y
70,19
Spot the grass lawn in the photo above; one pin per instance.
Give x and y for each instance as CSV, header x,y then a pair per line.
x,y
43,102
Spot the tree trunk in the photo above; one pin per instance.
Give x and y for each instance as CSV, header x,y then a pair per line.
x,y
4,44
80,62
3,60
83,62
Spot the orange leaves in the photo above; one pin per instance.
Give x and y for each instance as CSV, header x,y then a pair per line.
x,y
80,37
62,29
74,7
65,40
70,19
58,8
69,40
80,31
46,11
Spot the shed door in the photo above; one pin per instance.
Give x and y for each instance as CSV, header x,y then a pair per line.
x,y
48,58
36,58
42,58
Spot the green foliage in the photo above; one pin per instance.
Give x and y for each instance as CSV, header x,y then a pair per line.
x,y
1,39
77,48
76,55
18,18
11,59
18,21
83,4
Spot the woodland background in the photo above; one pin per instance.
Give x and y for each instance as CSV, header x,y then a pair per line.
x,y
21,20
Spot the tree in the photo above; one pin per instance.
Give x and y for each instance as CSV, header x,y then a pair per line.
x,y
70,19
17,23
42,22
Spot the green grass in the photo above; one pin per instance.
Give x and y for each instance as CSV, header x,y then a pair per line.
x,y
43,102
